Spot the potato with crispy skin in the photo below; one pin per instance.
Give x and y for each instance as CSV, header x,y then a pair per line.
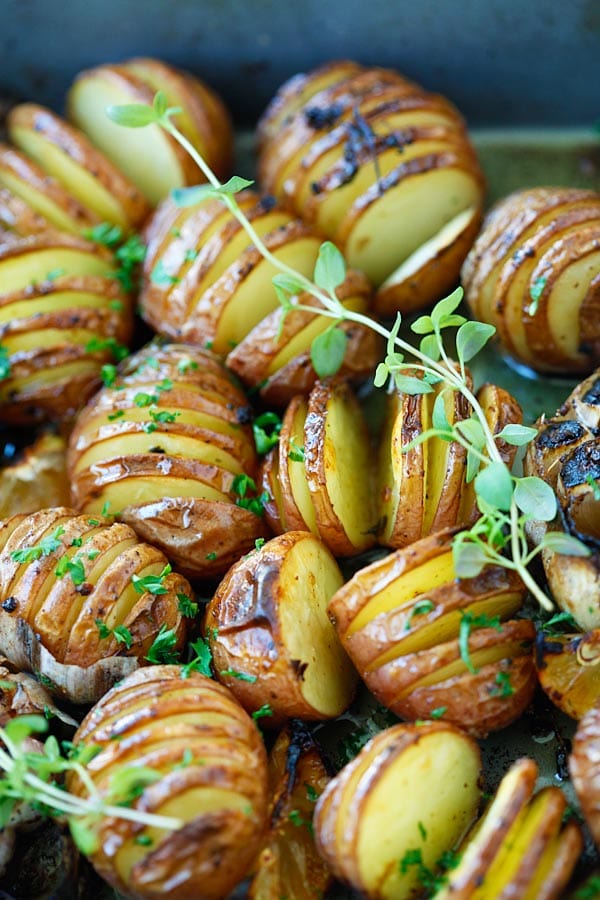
x,y
397,807
534,273
584,768
209,771
269,634
153,160
37,480
568,667
381,167
167,448
288,864
519,847
62,313
430,645
88,591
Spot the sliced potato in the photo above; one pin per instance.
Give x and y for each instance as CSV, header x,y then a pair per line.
x,y
211,771
428,644
288,865
168,449
435,769
63,574
18,219
583,767
153,160
38,480
518,848
533,273
270,637
67,156
569,671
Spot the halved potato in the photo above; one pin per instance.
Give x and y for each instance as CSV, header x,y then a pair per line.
x,y
151,158
434,770
429,644
84,587
62,313
270,637
167,448
66,154
288,864
210,774
534,272
518,848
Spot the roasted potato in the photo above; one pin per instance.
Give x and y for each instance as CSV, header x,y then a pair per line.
x,y
382,168
78,186
569,671
566,454
152,159
269,634
87,590
584,768
209,770
62,312
288,864
392,812
324,470
423,489
533,273
430,645
167,448
37,480
518,848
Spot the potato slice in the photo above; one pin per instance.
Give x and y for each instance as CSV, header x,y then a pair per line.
x,y
518,847
153,161
337,460
379,852
297,507
269,633
66,155
221,800
288,864
43,194
568,670
18,219
66,573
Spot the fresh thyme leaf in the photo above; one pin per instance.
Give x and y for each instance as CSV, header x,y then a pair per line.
x,y
443,309
408,384
288,284
439,420
330,268
132,115
494,484
535,498
565,544
192,196
518,435
328,350
235,184
469,559
161,652
471,338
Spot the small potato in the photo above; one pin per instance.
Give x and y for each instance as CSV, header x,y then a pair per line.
x,y
397,807
569,671
269,634
37,480
209,771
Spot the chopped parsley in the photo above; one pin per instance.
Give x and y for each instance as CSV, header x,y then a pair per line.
x,y
240,486
266,428
201,661
161,652
4,363
151,583
72,566
186,365
47,545
241,676
120,633
264,710
186,606
503,687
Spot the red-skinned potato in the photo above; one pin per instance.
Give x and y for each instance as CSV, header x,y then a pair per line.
x,y
269,634
430,645
167,448
367,840
210,772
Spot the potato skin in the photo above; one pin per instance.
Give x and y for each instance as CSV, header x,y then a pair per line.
x,y
211,852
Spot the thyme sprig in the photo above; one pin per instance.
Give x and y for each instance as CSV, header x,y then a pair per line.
x,y
506,502
29,776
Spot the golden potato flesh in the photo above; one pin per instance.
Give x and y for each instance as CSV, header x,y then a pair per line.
x,y
209,772
271,639
166,448
382,168
397,807
151,158
36,481
87,589
429,644
569,671
518,848
62,313
533,273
